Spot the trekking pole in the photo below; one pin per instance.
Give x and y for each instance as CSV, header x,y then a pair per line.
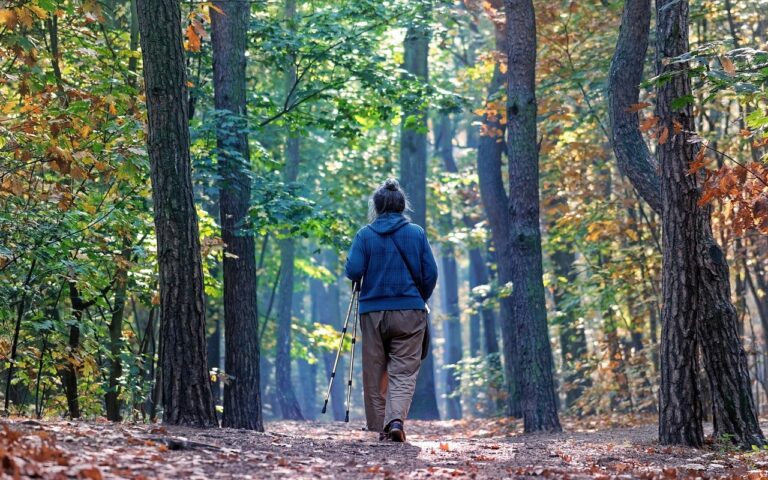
x,y
355,292
352,355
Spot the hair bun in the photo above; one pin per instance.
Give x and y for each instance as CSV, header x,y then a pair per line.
x,y
391,184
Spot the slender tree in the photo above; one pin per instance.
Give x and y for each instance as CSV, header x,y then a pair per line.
x,y
186,389
242,395
529,315
413,178
490,150
286,396
452,349
697,313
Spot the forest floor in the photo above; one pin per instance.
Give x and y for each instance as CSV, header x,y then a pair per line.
x,y
618,447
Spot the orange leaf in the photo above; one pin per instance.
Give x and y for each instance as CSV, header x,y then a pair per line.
x,y
8,18
745,133
728,66
636,107
445,447
193,40
648,123
664,136
216,9
678,126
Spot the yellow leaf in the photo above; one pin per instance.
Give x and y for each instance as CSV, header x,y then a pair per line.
x,y
8,18
112,109
503,67
25,17
85,131
38,11
728,66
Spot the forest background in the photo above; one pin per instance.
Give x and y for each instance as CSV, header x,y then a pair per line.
x,y
295,112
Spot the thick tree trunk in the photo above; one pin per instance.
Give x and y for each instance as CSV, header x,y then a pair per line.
x,y
490,148
534,355
697,308
242,393
695,273
452,350
413,173
186,388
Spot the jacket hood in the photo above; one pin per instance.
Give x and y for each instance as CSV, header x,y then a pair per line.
x,y
388,223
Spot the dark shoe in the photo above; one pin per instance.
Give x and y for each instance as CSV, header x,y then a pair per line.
x,y
395,430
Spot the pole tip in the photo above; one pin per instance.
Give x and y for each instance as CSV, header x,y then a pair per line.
x,y
324,409
346,417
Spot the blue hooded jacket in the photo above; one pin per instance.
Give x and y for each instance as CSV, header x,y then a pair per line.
x,y
387,283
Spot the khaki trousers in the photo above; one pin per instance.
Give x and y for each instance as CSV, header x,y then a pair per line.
x,y
392,342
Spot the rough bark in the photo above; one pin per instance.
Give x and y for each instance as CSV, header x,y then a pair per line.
x,y
529,316
632,154
695,272
413,172
697,308
186,390
495,200
242,393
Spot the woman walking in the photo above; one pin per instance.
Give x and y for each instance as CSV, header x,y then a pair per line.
x,y
393,259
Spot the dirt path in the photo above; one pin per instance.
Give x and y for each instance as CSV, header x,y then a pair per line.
x,y
479,449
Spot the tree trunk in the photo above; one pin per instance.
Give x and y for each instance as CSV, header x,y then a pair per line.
x,y
529,314
186,389
495,200
112,397
242,393
697,304
325,310
69,375
413,174
452,350
289,405
307,371
697,309
573,341
10,392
